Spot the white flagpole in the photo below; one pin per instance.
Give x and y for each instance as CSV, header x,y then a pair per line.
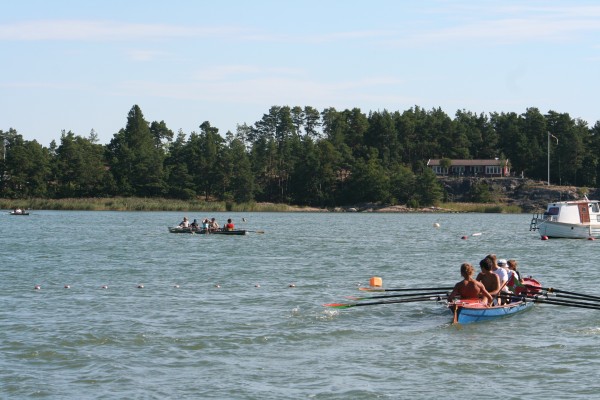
x,y
549,134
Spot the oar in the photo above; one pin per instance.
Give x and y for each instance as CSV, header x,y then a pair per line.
x,y
256,231
545,299
373,303
553,290
397,295
567,303
371,289
455,310
569,296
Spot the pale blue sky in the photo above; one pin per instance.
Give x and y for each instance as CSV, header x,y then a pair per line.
x,y
81,65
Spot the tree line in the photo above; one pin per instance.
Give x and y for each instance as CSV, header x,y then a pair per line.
x,y
299,155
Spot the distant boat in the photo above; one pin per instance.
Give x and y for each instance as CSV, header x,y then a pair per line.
x,y
19,213
569,219
179,229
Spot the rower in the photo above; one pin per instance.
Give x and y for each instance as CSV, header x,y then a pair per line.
x,y
469,288
490,280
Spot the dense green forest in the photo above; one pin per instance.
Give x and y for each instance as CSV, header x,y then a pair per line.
x,y
299,156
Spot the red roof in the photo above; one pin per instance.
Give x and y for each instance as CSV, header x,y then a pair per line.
x,y
469,162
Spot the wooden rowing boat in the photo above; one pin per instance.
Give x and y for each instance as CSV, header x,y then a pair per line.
x,y
467,311
179,229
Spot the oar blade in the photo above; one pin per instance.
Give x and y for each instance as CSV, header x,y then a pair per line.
x,y
354,298
373,303
338,305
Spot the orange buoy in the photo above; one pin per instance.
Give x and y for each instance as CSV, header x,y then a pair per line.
x,y
376,282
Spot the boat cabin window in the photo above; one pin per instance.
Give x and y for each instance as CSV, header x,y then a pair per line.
x,y
552,211
595,207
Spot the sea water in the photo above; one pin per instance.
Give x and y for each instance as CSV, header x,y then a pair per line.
x,y
110,305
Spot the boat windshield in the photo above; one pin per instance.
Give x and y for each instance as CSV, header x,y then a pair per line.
x,y
552,211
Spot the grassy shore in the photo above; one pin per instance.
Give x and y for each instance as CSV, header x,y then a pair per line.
x,y
141,204
145,204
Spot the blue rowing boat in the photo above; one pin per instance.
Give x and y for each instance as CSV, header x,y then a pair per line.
x,y
468,311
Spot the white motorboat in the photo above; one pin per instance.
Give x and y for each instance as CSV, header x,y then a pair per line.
x,y
578,219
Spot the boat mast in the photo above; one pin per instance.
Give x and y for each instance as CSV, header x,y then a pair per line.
x,y
549,134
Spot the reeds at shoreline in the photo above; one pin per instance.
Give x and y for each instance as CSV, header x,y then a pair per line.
x,y
161,204
139,204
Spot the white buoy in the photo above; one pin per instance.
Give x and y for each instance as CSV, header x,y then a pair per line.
x,y
436,225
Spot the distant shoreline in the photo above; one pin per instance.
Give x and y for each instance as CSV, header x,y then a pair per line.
x,y
145,204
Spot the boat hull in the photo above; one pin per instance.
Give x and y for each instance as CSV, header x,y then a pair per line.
x,y
177,229
470,312
570,231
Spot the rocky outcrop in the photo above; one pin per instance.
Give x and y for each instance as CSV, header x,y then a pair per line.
x,y
531,196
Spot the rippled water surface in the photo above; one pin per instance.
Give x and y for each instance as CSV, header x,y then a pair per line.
x,y
255,337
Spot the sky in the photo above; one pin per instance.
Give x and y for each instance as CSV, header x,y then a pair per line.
x,y
82,65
